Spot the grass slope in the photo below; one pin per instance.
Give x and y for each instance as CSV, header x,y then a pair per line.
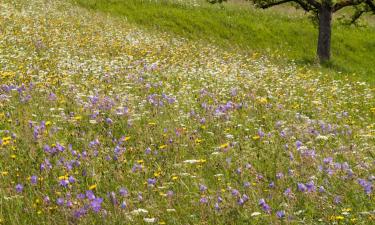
x,y
105,123
268,32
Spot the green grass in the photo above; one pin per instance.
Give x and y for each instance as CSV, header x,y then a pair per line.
x,y
268,32
89,102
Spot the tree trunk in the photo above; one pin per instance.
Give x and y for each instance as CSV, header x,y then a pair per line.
x,y
324,39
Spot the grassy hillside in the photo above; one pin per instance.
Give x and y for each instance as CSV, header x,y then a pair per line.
x,y
271,32
103,122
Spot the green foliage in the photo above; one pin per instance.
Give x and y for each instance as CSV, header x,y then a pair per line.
x,y
281,36
103,122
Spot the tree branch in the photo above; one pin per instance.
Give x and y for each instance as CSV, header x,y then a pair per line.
x,y
301,3
314,3
371,5
356,16
346,3
265,6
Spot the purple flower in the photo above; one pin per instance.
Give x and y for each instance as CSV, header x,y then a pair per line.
x,y
367,186
123,205
235,192
241,201
291,156
298,144
260,133
310,186
80,212
279,175
19,188
90,195
123,191
140,197
64,183
71,179
33,179
337,200
96,204
69,204
109,120
112,197
81,196
137,167
203,200
288,192
52,96
280,214
46,200
202,188
60,201
170,193
151,181
302,187
264,206
327,160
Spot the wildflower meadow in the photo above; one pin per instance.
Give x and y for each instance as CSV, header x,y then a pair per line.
x,y
103,122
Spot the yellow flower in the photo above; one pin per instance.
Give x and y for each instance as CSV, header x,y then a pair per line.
x,y
65,177
225,145
6,143
92,187
7,138
174,177
4,173
339,217
13,156
162,146
157,174
77,118
256,137
263,100
48,123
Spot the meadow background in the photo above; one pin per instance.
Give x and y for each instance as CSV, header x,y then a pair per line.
x,y
283,32
155,112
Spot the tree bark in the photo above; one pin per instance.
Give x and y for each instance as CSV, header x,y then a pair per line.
x,y
324,39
